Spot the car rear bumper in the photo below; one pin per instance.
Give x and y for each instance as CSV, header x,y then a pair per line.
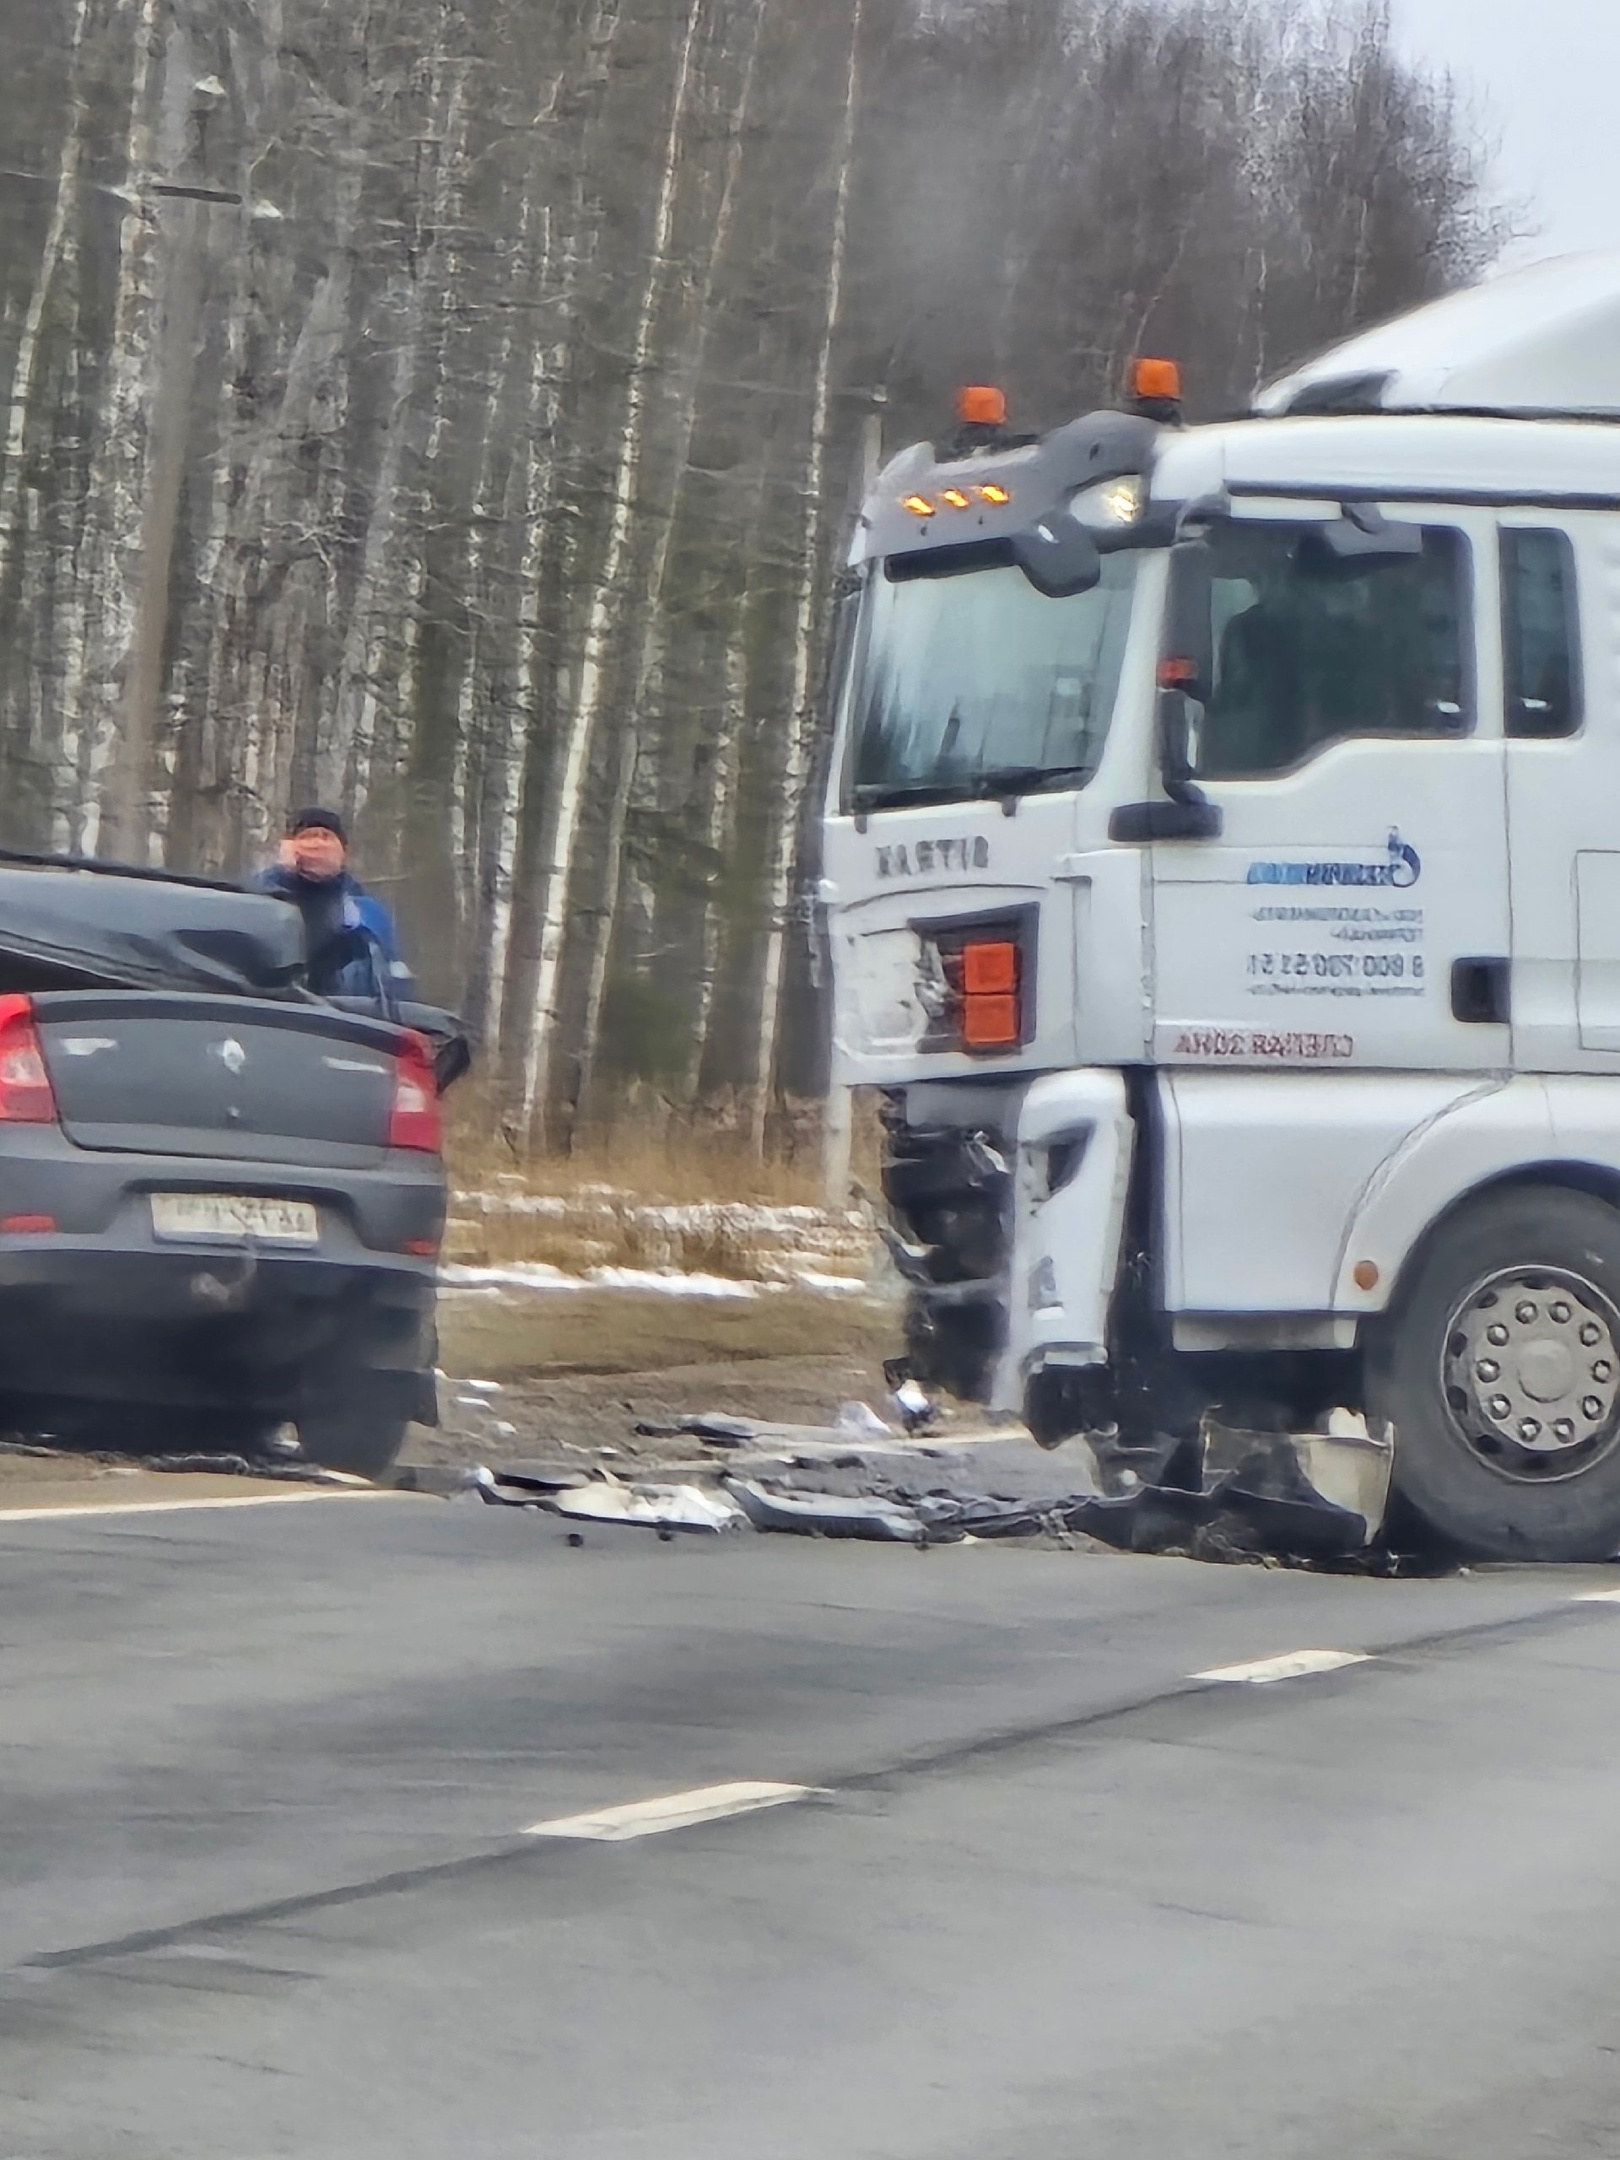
x,y
214,1327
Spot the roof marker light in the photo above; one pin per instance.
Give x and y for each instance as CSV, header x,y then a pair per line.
x,y
993,492
981,405
957,499
918,505
1156,379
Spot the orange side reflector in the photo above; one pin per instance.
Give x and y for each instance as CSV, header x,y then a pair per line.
x,y
39,1225
990,970
989,1023
1174,673
1156,379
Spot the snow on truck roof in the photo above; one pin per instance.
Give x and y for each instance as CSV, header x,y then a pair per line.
x,y
1537,342
1417,457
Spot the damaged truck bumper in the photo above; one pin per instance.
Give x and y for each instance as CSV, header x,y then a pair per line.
x,y
1010,1229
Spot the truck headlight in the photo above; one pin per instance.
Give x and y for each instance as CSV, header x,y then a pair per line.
x,y
1111,503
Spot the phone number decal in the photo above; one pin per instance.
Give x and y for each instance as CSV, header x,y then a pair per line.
x,y
1339,967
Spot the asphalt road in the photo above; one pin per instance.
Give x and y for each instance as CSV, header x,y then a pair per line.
x,y
265,1888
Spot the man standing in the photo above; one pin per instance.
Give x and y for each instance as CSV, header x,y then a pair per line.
x,y
348,934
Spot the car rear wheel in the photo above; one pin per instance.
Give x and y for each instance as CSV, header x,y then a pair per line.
x,y
365,1443
1499,1369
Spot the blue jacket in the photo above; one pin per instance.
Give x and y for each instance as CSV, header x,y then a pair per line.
x,y
349,936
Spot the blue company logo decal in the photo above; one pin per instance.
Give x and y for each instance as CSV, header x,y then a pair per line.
x,y
1402,867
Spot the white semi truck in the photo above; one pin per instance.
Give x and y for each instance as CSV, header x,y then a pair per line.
x,y
1222,876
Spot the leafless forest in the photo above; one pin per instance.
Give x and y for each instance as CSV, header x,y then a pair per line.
x,y
452,411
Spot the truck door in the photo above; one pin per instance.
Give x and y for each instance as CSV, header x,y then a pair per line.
x,y
1563,774
1353,910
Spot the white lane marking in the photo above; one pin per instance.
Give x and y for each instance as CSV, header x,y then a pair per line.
x,y
1292,1665
187,1507
1597,1597
673,1811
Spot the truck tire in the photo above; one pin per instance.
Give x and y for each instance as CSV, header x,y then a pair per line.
x,y
362,1442
1498,1367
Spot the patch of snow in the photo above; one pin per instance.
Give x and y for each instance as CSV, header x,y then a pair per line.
x,y
520,1275
793,1226
674,1284
540,1275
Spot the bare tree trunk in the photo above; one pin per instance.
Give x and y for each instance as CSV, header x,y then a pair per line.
x,y
779,874
722,806
108,584
130,828
599,929
343,766
57,254
605,604
499,818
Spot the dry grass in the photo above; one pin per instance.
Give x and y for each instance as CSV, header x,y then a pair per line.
x,y
654,1154
615,1331
598,1230
693,1199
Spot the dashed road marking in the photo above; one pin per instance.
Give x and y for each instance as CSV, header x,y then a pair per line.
x,y
673,1811
188,1507
1291,1665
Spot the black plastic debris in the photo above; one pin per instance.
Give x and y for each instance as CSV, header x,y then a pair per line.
x,y
1310,1497
711,1425
832,1515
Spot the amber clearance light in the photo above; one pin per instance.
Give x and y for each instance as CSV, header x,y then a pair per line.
x,y
990,971
981,405
1156,380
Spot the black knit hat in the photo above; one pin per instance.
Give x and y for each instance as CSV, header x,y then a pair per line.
x,y
317,820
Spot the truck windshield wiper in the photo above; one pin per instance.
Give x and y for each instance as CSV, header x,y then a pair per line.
x,y
999,784
1025,779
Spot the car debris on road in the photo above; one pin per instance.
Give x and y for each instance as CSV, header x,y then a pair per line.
x,y
1307,1498
605,1498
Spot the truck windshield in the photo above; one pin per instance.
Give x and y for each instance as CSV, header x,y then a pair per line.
x,y
977,685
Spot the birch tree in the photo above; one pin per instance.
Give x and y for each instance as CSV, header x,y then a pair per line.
x,y
800,719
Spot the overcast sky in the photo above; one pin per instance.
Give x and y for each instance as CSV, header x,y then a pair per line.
x,y
1547,70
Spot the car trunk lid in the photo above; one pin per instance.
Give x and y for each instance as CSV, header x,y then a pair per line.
x,y
228,1078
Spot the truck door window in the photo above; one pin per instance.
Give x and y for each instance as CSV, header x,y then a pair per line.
x,y
1310,650
1540,634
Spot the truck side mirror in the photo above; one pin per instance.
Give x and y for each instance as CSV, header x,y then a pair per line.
x,y
1058,556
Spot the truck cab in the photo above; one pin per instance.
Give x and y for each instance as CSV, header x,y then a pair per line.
x,y
1222,875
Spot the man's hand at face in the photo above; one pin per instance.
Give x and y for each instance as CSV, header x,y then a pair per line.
x,y
317,854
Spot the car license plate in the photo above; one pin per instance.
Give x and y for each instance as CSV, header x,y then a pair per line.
x,y
236,1216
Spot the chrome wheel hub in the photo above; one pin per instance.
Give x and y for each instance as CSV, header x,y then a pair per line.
x,y
1532,1373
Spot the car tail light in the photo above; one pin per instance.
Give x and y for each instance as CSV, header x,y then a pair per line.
x,y
981,972
26,1094
414,1121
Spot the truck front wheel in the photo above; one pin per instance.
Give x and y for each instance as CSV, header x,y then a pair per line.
x,y
1499,1369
